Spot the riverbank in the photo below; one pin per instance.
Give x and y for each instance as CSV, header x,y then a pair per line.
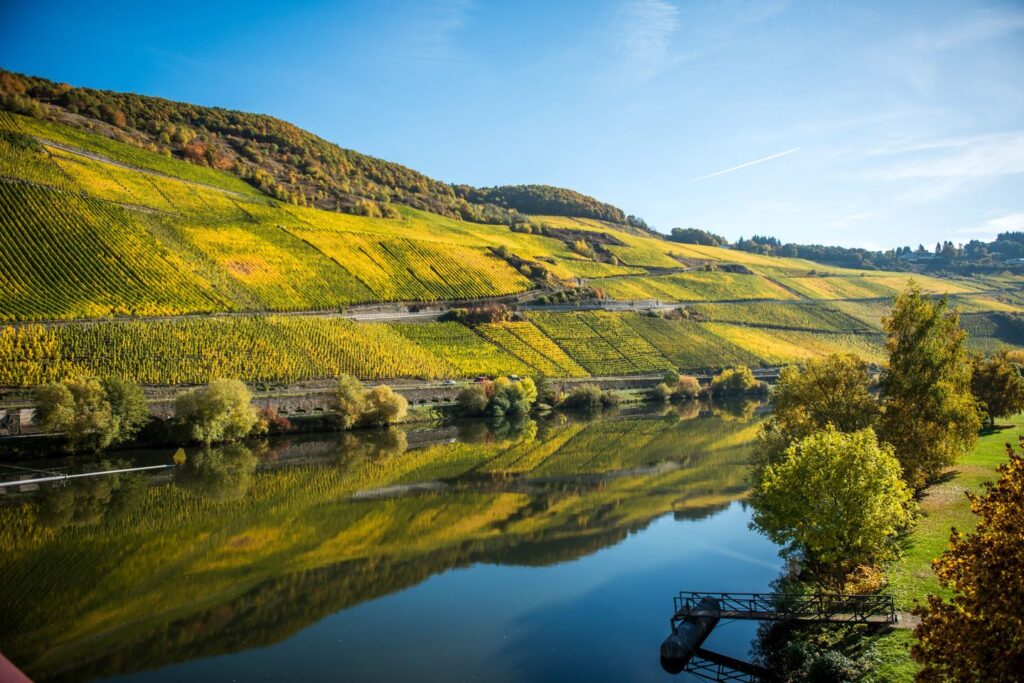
x,y
944,505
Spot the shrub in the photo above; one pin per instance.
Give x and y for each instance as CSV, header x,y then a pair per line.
x,y
269,421
350,401
221,411
547,393
489,313
498,398
583,397
660,393
686,388
384,406
473,400
378,406
735,382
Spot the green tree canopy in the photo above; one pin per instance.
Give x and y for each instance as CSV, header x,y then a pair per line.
x,y
834,390
222,411
929,414
997,385
835,500
128,406
92,413
736,381
473,399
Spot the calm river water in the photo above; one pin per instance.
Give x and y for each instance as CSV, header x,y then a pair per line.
x,y
540,551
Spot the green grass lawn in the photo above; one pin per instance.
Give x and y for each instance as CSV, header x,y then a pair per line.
x,y
944,505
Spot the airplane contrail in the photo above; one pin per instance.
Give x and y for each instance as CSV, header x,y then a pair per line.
x,y
749,163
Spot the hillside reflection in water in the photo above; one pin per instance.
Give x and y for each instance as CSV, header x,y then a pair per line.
x,y
542,550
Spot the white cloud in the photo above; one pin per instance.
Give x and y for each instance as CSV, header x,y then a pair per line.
x,y
753,11
989,229
976,156
644,30
917,57
983,25
432,39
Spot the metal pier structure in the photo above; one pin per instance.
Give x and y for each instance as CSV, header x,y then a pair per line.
x,y
815,607
695,615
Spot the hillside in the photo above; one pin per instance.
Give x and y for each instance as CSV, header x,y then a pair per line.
x,y
208,277
281,159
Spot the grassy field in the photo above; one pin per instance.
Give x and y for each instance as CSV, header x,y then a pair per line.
x,y
944,506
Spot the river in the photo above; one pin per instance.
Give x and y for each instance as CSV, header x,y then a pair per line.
x,y
545,550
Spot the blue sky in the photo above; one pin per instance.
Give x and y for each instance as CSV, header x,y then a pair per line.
x,y
873,123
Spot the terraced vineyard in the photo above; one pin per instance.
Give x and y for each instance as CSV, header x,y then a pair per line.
x,y
92,228
533,347
462,349
22,157
689,345
815,317
66,256
271,348
289,348
694,286
406,269
281,271
779,347
601,342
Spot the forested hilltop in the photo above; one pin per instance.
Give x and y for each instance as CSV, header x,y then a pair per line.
x,y
281,159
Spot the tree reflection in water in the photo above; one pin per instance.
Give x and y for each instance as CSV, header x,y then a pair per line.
x,y
220,473
246,544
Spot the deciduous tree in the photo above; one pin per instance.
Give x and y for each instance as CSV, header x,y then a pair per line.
x,y
998,386
80,409
128,406
978,635
834,390
929,414
221,411
835,500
